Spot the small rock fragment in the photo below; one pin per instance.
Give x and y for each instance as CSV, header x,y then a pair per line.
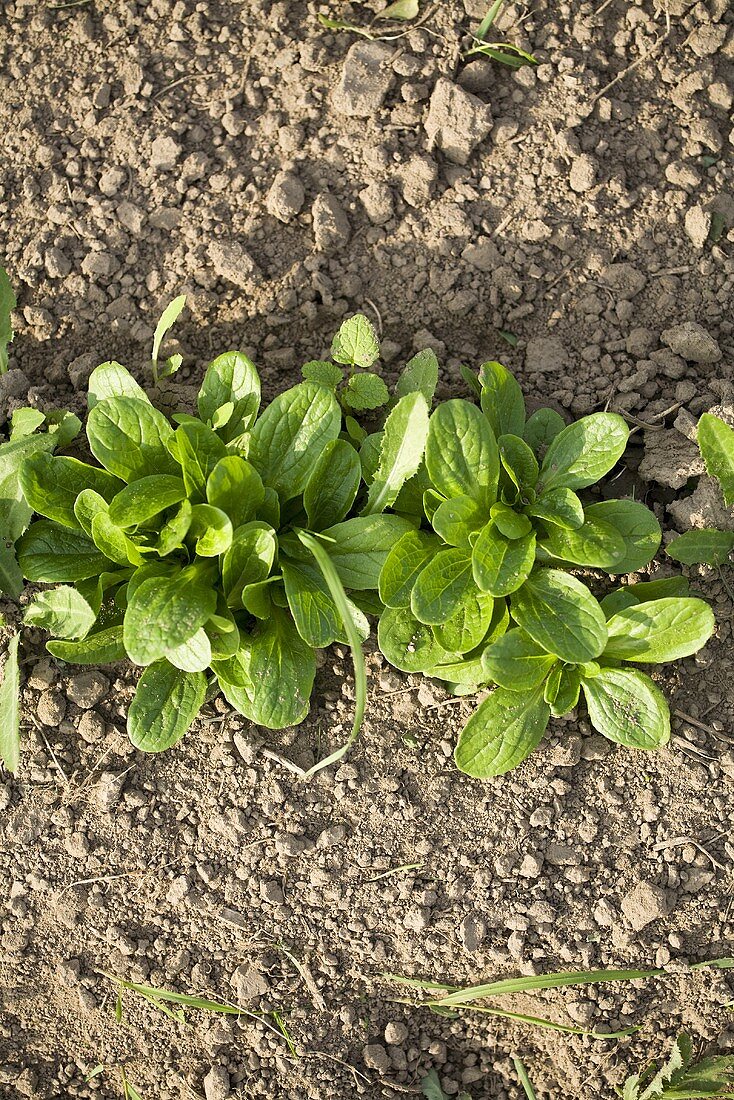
x,y
249,983
285,197
233,263
697,224
472,931
164,154
217,1084
457,121
692,342
624,280
365,81
644,904
670,459
376,1057
331,227
582,176
57,264
395,1033
376,198
545,354
87,688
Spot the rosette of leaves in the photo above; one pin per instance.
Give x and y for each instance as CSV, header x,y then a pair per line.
x,y
499,495
218,551
650,623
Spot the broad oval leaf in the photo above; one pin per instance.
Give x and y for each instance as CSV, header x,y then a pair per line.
x,y
596,544
519,461
511,524
560,507
290,435
408,557
211,528
356,343
660,630
502,401
408,644
142,499
113,542
314,612
462,457
49,552
230,378
583,452
716,442
569,688
468,625
104,647
198,450
62,611
175,530
162,613
502,732
419,375
235,487
502,565
442,586
332,485
401,452
248,560
166,703
359,547
130,438
708,546
541,429
113,380
277,672
52,483
558,611
193,655
364,392
459,520
636,525
627,707
516,662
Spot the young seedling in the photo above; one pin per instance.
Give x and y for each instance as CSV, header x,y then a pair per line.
x,y
431,1088
709,546
523,1078
680,1078
504,52
399,11
7,305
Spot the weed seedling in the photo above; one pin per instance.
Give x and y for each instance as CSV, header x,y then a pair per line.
x,y
504,52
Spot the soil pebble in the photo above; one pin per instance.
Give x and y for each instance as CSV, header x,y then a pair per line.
x,y
692,342
457,121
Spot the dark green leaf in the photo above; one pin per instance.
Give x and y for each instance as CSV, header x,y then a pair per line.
x,y
235,486
637,527
707,546
442,586
175,530
516,662
162,613
325,374
569,688
314,612
560,613
49,552
502,400
468,625
145,498
519,461
332,485
51,484
502,732
716,442
596,544
113,542
291,434
583,452
7,304
211,528
359,547
660,630
10,707
130,438
166,703
458,520
561,507
407,558
365,392
198,450
420,375
401,452
511,524
113,380
104,647
462,457
502,565
408,644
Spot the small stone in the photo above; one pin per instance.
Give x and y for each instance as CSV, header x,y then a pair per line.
x,y
164,154
376,198
365,80
81,368
111,180
582,176
98,263
56,263
472,931
249,983
457,121
233,123
482,254
51,708
624,280
545,354
91,727
692,342
331,227
640,341
419,177
285,197
567,754
217,1084
644,904
376,1057
531,866
395,1033
232,263
698,225
108,791
87,688
331,837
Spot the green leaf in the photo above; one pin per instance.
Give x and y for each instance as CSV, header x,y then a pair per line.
x,y
560,613
51,484
511,524
583,452
130,438
407,558
561,507
468,625
502,565
230,378
637,527
145,498
211,528
627,707
325,374
104,647
277,669
516,662
7,304
248,561
342,25
502,732
163,613
431,1087
716,443
332,485
315,613
519,461
166,703
175,530
23,422
356,343
49,552
113,542
193,655
365,391
168,318
10,706
707,546
660,630
502,401
401,452
235,487
655,590
462,457
458,521
596,544
291,434
359,548
420,375
61,611
198,450
113,380
86,506
401,9
471,380
569,688
407,644
11,577
442,586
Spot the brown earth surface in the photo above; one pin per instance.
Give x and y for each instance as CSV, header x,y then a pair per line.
x,y
283,177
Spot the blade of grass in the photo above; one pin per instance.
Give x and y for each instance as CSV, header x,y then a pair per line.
x,y
339,596
522,1076
525,1018
543,981
488,20
9,709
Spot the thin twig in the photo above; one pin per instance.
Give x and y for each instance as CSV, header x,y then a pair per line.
x,y
630,68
